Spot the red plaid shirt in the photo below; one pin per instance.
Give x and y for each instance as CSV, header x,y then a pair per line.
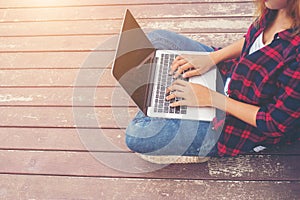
x,y
268,78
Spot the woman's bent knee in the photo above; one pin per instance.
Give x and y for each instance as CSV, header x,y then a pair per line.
x,y
134,145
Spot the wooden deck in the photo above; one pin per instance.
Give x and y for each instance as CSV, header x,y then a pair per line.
x,y
51,147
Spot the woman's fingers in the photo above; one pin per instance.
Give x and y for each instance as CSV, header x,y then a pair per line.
x,y
176,64
177,89
177,85
175,94
189,94
191,73
182,69
179,103
171,96
174,87
180,65
180,82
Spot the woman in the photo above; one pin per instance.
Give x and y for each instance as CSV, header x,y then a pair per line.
x,y
262,92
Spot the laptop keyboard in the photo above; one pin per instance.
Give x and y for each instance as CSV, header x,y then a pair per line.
x,y
161,104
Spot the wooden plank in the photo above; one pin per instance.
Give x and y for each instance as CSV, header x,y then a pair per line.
x,y
62,139
83,43
46,187
71,139
216,39
33,3
100,97
140,11
84,117
56,78
99,164
194,25
56,43
54,60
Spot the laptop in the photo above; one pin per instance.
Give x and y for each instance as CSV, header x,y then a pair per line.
x,y
143,72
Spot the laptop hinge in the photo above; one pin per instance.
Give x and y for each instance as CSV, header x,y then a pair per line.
x,y
153,62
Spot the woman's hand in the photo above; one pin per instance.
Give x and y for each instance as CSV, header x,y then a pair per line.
x,y
199,64
192,94
196,95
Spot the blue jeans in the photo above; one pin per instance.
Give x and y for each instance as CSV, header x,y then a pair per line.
x,y
158,136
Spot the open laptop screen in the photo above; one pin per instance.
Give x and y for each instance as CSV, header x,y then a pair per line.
x,y
132,64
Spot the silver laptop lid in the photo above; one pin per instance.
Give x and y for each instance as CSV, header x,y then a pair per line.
x,y
132,64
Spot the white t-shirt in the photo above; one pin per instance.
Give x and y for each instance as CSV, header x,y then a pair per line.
x,y
258,44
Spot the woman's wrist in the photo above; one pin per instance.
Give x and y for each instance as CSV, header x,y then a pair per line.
x,y
243,111
216,57
218,100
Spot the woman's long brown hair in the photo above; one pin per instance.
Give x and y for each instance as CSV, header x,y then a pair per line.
x,y
293,9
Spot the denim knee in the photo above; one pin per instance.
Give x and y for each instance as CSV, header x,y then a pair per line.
x,y
133,144
130,143
146,135
141,145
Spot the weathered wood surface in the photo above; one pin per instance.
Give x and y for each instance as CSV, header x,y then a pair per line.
x,y
85,117
115,12
46,153
57,78
92,27
61,139
86,43
113,164
30,187
70,139
33,3
64,96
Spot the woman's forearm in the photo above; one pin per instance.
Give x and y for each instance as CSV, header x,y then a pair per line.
x,y
234,50
243,111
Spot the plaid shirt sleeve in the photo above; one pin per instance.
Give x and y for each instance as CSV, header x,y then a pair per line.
x,y
279,117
